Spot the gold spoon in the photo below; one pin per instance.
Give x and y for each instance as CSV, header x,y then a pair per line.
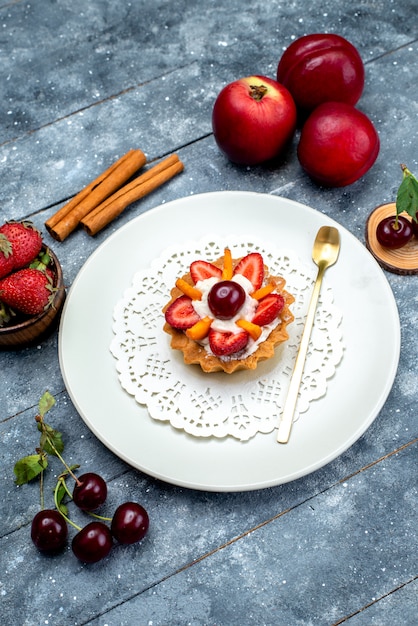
x,y
325,253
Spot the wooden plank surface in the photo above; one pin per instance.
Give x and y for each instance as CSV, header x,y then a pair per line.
x,y
83,82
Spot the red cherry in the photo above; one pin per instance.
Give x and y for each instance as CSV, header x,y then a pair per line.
x,y
225,299
92,543
90,491
130,523
392,232
49,530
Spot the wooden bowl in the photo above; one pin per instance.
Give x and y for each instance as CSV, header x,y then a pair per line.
x,y
26,331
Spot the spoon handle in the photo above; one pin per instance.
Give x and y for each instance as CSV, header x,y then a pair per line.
x,y
285,424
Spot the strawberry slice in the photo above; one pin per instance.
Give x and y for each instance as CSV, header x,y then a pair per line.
x,y
268,309
224,344
200,270
252,267
181,314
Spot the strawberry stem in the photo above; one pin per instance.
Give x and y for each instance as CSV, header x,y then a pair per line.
x,y
42,261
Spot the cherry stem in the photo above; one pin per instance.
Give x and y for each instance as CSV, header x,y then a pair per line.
x,y
41,487
69,470
51,443
105,519
61,481
64,484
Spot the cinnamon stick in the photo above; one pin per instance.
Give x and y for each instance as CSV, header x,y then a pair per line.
x,y
144,184
64,221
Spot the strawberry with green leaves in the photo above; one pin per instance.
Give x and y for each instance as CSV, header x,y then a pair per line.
x,y
29,291
25,241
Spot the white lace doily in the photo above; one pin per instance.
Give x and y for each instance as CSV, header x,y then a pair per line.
x,y
241,404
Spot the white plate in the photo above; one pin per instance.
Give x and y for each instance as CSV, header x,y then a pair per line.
x,y
355,395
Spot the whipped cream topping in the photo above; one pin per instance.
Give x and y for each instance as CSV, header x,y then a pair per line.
x,y
246,312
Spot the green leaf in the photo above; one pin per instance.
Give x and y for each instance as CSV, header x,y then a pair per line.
x,y
61,490
51,439
46,403
63,508
29,467
57,444
72,468
407,197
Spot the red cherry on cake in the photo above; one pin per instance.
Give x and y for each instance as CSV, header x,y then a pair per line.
x,y
225,299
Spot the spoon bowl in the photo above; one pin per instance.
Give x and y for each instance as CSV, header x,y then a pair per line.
x,y
326,247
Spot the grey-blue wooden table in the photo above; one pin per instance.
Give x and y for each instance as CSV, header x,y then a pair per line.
x,y
83,82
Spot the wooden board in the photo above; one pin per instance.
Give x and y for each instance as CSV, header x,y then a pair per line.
x,y
400,261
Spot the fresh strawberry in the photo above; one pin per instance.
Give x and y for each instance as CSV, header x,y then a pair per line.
x,y
181,314
26,242
224,344
252,267
200,270
28,291
268,309
6,256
